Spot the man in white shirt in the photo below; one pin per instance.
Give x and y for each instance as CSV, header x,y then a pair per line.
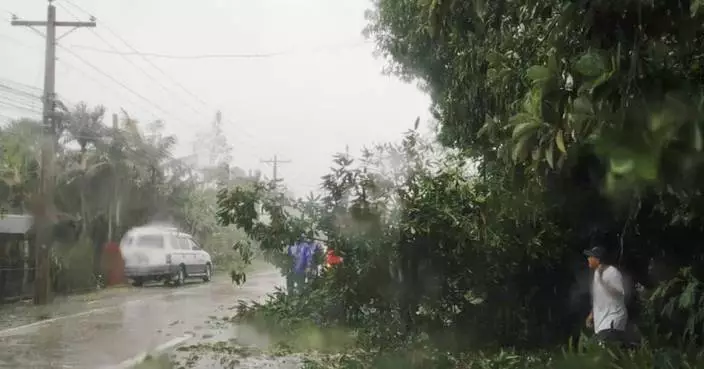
x,y
609,316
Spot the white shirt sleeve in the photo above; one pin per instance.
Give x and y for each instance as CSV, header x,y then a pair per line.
x,y
614,279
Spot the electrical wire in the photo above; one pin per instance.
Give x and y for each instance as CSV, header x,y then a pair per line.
x,y
186,90
144,72
174,81
19,107
115,80
141,97
35,91
92,66
105,87
20,99
18,93
218,56
11,93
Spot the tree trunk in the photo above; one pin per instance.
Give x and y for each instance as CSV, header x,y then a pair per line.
x,y
110,207
84,211
118,206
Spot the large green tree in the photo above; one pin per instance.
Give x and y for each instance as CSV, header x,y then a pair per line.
x,y
583,122
587,114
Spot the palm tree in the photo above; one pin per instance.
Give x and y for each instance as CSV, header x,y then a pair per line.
x,y
19,167
84,127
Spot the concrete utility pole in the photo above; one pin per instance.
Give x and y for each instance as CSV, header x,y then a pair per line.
x,y
275,162
45,204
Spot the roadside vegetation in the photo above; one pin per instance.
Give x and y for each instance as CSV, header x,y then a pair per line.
x,y
111,177
560,124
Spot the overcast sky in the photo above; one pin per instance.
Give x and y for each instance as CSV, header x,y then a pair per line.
x,y
321,90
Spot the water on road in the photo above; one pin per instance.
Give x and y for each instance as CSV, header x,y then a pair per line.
x,y
114,328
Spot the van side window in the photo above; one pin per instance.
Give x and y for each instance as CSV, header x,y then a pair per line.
x,y
193,244
173,240
183,243
150,241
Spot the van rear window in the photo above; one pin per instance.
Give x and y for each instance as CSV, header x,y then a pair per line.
x,y
150,241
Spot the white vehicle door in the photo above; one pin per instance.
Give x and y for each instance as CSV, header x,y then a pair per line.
x,y
174,250
198,259
182,253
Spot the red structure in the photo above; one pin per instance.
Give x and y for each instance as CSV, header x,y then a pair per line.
x,y
113,265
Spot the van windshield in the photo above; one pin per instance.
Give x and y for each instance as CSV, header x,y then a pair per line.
x,y
150,241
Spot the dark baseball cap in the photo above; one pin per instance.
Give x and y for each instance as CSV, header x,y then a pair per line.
x,y
596,251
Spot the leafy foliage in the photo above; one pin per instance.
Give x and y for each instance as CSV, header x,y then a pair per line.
x,y
564,124
108,180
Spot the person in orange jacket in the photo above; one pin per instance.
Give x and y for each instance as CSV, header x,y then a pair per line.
x,y
331,259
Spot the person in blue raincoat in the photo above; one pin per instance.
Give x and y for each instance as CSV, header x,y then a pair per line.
x,y
300,254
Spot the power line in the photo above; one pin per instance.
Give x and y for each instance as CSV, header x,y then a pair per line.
x,y
147,74
92,66
141,97
19,107
163,73
181,57
107,88
20,84
113,79
217,56
19,104
174,81
186,90
18,95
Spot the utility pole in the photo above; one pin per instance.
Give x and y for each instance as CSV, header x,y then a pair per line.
x,y
275,163
44,210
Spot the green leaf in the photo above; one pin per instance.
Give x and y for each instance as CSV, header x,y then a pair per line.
x,y
657,121
521,118
485,127
520,149
647,167
538,73
688,296
697,137
560,141
621,165
549,155
591,64
524,129
611,183
582,105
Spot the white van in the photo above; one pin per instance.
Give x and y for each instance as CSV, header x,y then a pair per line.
x,y
163,254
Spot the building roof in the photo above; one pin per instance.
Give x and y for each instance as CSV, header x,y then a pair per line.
x,y
15,224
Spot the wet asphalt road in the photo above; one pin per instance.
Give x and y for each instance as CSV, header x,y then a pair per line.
x,y
114,327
